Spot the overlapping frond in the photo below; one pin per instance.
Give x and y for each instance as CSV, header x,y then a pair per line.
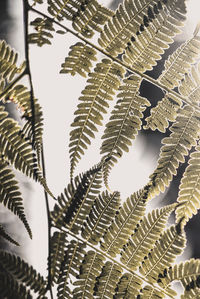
x,y
89,270
15,147
157,30
180,62
190,85
70,268
101,87
149,292
74,205
43,32
169,246
87,16
10,194
11,288
107,280
124,123
132,19
19,270
145,236
8,62
128,286
189,193
184,133
124,222
166,110
100,216
4,235
79,60
57,251
21,96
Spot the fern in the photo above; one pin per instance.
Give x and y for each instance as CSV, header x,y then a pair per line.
x,y
79,60
43,35
129,285
124,124
184,133
10,195
4,235
100,89
132,18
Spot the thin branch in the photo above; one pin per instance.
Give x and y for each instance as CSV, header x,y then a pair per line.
x,y
10,85
27,7
144,76
112,259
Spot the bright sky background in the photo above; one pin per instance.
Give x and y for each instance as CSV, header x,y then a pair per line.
x,y
58,95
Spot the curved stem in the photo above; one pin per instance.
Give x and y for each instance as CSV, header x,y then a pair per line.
x,y
27,8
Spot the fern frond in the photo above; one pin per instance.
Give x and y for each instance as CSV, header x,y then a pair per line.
x,y
90,269
157,30
184,133
149,292
21,271
58,244
169,246
43,32
102,84
180,62
74,205
145,236
11,288
166,110
74,255
124,222
128,286
10,194
107,281
4,235
190,85
79,60
8,62
132,19
124,123
15,147
100,216
189,193
21,96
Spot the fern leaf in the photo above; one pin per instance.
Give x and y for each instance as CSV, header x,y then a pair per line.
x,y
145,236
166,110
180,62
43,32
132,19
184,133
190,85
74,255
58,244
124,223
149,292
100,216
124,123
21,96
90,268
4,235
79,60
80,195
169,246
107,281
8,62
21,271
37,2
10,288
102,84
128,286
157,30
10,194
189,193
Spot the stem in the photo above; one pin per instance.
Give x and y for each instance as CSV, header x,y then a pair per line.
x,y
27,7
146,77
